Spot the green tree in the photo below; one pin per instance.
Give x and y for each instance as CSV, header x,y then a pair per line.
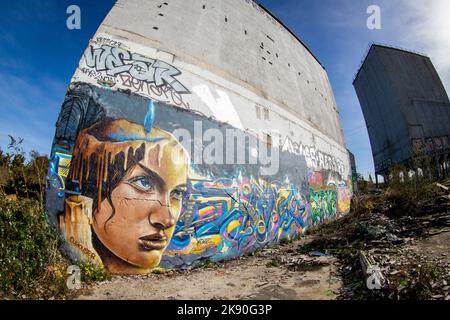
x,y
362,183
17,167
37,172
4,172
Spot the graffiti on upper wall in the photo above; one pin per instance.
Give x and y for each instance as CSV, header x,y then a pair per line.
x,y
164,93
314,158
108,62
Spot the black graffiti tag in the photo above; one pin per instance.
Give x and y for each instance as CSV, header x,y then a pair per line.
x,y
117,61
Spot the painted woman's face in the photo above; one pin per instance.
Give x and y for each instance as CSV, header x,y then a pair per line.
x,y
146,204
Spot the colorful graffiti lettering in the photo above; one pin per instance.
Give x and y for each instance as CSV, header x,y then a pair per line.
x,y
225,218
344,199
59,170
315,178
323,204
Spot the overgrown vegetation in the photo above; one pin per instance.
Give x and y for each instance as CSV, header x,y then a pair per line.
x,y
20,178
91,272
31,266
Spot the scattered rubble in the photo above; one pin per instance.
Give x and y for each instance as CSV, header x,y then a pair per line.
x,y
385,231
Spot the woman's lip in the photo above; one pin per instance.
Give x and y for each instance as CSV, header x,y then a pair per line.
x,y
154,237
156,241
152,245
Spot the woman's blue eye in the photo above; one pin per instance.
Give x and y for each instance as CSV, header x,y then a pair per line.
x,y
142,183
178,193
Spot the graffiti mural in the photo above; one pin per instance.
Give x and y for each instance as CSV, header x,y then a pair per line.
x,y
163,93
105,62
314,157
344,199
315,179
125,187
128,196
323,205
59,170
131,182
226,218
430,145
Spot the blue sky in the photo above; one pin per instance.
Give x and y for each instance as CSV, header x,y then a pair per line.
x,y
38,55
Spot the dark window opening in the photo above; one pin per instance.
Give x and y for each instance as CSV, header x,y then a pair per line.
x,y
269,140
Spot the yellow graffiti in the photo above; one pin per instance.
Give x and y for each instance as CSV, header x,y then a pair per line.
x,y
233,225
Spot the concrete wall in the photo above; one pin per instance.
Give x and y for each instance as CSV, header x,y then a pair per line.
x,y
403,100
177,142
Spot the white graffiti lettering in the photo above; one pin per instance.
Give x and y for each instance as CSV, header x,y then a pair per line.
x,y
117,61
314,158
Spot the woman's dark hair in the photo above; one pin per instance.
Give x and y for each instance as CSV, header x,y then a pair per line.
x,y
113,166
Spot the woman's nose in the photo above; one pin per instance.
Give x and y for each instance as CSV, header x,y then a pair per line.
x,y
161,217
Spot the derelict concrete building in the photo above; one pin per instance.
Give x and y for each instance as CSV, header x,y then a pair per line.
x,y
405,106
166,80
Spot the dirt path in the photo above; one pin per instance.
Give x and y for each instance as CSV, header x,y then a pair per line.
x,y
285,273
436,247
254,277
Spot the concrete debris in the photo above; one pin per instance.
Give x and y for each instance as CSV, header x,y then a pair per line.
x,y
317,254
371,271
443,187
406,242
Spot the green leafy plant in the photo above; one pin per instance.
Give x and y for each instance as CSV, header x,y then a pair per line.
x,y
91,272
27,245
